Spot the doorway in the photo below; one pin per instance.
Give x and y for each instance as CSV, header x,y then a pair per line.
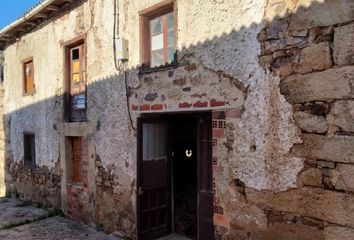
x,y
174,177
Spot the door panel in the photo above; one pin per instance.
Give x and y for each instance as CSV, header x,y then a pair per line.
x,y
153,182
205,191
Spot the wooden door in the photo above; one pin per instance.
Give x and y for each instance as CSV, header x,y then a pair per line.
x,y
205,191
154,208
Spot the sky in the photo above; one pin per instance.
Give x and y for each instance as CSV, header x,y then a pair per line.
x,y
10,10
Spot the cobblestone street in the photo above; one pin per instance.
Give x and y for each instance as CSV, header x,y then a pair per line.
x,y
22,221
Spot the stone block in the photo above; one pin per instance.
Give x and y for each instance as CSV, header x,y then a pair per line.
x,y
316,108
311,177
277,29
339,233
300,33
284,65
325,164
327,85
336,149
309,13
274,45
345,180
221,220
310,122
343,45
334,207
342,115
266,60
277,231
315,57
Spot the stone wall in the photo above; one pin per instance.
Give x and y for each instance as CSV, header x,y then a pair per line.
x,y
40,185
311,53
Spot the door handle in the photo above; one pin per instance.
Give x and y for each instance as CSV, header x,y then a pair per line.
x,y
140,191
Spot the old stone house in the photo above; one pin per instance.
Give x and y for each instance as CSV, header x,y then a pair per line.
x,y
216,119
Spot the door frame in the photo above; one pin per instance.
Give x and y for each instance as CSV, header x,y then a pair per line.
x,y
166,117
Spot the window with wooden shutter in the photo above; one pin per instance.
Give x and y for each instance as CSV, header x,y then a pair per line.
x,y
29,150
28,77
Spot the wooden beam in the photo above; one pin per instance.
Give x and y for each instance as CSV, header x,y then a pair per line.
x,y
30,23
41,15
5,38
21,29
52,8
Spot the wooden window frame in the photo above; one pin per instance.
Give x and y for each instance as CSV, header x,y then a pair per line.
x,y
145,16
31,164
77,41
25,91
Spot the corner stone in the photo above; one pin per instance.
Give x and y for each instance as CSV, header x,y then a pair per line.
x,y
345,179
310,122
343,45
327,85
334,207
339,233
310,14
311,177
314,58
336,149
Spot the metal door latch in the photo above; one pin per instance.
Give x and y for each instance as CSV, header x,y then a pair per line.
x,y
140,191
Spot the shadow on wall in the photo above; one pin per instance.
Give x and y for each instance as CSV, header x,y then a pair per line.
x,y
288,45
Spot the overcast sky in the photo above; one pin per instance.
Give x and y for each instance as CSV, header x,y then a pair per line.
x,y
12,9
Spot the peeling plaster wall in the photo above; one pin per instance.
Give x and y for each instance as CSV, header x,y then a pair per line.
x,y
42,113
232,49
229,44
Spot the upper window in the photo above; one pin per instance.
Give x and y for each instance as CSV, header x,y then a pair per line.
x,y
162,40
158,35
28,77
75,102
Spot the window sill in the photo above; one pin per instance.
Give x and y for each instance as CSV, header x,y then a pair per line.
x,y
28,94
148,70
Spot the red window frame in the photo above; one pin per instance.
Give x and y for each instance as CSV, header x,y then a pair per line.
x,y
158,10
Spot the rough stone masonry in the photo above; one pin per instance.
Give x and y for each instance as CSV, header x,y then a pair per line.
x,y
277,76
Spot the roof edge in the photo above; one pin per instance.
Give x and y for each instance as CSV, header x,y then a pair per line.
x,y
34,17
40,6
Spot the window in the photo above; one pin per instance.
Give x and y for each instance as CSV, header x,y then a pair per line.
x,y
162,40
28,77
158,35
75,102
29,150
